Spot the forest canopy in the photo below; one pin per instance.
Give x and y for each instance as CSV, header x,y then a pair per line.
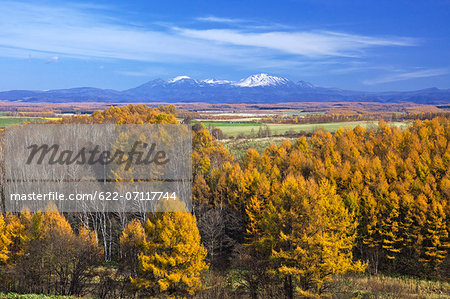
x,y
288,219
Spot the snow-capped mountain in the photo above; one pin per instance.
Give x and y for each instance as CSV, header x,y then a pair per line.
x,y
215,81
258,80
180,78
262,80
259,88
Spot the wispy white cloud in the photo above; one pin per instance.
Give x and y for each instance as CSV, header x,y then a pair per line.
x,y
75,32
160,70
244,23
313,44
214,19
71,30
407,76
353,67
134,73
52,59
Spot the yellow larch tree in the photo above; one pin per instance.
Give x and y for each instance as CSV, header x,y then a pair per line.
x,y
132,244
173,257
4,241
308,234
18,233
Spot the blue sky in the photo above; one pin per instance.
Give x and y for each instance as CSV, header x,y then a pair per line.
x,y
362,45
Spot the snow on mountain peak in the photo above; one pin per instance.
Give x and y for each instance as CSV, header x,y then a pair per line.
x,y
215,81
178,79
261,80
257,80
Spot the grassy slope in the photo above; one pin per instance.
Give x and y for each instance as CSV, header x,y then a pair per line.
x,y
362,286
238,147
10,120
345,286
245,128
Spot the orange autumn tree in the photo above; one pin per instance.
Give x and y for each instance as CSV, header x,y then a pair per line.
x,y
173,257
18,229
132,244
4,241
129,114
46,256
307,234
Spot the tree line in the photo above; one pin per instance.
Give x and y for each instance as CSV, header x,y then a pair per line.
x,y
343,116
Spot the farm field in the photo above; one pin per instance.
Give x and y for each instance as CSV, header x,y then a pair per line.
x,y
238,147
6,121
249,129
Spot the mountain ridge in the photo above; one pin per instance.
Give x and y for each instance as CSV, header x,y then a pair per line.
x,y
258,88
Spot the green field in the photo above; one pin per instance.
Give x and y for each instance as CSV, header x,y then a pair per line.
x,y
238,147
236,129
14,120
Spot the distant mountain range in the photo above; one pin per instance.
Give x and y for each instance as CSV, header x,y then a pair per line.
x,y
260,88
